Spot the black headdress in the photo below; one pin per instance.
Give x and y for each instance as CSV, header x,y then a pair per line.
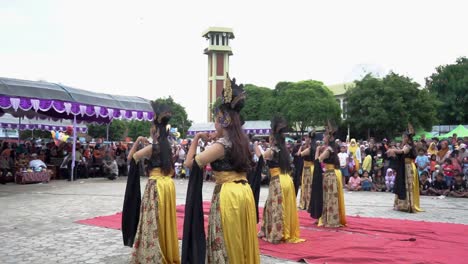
x,y
279,125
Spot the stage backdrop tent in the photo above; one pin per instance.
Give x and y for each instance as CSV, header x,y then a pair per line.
x,y
8,121
259,128
25,98
460,130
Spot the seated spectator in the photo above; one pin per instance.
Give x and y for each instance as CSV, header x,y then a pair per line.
x,y
366,182
424,184
390,179
354,183
449,171
439,186
379,182
109,166
36,164
122,164
22,162
459,189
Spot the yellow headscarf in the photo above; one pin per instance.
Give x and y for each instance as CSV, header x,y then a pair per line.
x,y
432,150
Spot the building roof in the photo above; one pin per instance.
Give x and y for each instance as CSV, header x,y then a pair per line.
x,y
340,88
219,29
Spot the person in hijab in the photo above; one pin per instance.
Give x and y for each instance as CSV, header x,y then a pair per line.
x,y
354,151
432,150
280,220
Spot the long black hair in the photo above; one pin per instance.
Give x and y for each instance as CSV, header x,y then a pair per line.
x,y
278,127
160,135
241,157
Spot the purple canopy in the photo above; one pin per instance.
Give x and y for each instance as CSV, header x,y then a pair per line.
x,y
10,122
28,98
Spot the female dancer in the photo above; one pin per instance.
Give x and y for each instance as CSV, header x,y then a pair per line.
x,y
307,172
156,236
406,186
232,221
333,211
280,221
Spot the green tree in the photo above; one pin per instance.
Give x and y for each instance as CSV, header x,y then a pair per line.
x,y
259,103
137,128
117,130
450,86
307,103
383,107
179,116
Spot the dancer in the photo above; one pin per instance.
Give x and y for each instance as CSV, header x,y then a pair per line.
x,y
307,172
406,187
333,207
280,221
232,221
156,236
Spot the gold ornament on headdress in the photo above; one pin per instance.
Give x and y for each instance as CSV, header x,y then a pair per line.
x,y
227,90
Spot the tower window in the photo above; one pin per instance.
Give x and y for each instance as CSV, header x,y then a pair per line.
x,y
217,39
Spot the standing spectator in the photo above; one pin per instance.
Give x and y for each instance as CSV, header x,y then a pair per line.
x,y
432,150
390,179
355,152
422,162
459,188
462,152
343,157
433,165
367,163
449,171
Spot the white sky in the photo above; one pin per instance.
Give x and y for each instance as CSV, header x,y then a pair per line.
x,y
155,49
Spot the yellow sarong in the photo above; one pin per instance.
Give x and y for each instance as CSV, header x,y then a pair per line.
x,y
167,222
238,217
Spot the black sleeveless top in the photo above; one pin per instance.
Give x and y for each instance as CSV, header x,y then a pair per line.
x,y
274,161
311,156
224,164
155,160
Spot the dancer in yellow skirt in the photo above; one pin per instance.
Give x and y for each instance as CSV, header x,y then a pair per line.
x,y
280,221
156,236
232,236
406,187
333,207
308,171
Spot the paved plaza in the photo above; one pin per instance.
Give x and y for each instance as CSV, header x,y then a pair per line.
x,y
37,221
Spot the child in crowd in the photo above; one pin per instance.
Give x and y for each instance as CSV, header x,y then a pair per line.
x,y
366,182
459,188
354,183
448,170
351,166
390,179
379,181
433,166
439,186
422,162
424,184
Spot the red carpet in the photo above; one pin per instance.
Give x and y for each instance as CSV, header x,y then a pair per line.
x,y
364,240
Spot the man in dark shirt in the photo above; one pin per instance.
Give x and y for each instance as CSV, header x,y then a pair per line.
x,y
439,186
459,188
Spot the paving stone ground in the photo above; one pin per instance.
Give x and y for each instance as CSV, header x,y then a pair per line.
x,y
37,220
